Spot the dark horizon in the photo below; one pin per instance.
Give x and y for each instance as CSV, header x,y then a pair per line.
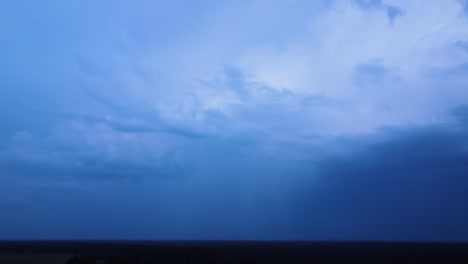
x,y
235,252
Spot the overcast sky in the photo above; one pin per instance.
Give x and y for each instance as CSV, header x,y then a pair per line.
x,y
246,119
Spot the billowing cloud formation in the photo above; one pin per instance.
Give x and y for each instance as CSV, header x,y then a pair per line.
x,y
242,120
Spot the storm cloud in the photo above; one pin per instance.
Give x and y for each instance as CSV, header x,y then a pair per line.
x,y
407,185
270,120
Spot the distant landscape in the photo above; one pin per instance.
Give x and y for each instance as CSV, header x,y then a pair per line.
x,y
26,252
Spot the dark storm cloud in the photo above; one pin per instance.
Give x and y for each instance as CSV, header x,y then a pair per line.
x,y
103,116
409,186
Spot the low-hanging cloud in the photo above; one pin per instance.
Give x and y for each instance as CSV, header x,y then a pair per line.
x,y
408,184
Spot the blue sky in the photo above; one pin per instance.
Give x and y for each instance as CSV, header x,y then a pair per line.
x,y
252,120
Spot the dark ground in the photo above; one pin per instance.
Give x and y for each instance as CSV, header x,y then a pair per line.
x,y
235,252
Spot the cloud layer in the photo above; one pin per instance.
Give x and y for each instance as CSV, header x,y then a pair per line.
x,y
242,120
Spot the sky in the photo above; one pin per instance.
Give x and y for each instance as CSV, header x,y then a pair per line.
x,y
234,120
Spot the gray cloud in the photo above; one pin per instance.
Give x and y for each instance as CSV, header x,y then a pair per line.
x,y
372,74
408,185
397,184
369,4
462,45
391,11
464,4
104,116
